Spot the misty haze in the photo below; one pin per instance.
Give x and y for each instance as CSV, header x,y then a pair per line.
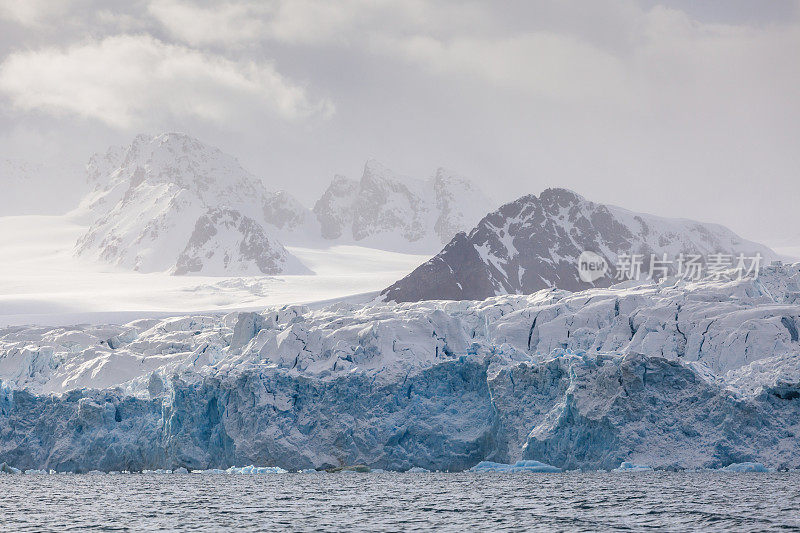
x,y
431,255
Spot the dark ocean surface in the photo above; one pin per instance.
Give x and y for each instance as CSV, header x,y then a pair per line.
x,y
700,501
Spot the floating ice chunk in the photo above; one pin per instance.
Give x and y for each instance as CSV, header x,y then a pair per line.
x,y
630,467
361,469
256,470
417,470
519,466
5,468
308,471
180,470
35,472
747,467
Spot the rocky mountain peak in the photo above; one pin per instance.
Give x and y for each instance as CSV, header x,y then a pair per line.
x,y
534,243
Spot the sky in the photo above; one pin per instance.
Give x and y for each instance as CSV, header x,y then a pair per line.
x,y
684,109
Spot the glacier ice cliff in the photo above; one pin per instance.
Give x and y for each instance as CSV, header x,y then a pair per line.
x,y
672,375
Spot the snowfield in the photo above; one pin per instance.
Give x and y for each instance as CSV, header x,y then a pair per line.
x,y
669,375
42,282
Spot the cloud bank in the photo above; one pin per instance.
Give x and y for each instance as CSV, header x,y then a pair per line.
x,y
682,108
122,80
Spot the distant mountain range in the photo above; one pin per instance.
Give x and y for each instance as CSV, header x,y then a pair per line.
x,y
534,243
386,210
171,203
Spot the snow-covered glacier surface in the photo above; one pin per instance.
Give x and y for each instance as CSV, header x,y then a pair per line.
x,y
670,375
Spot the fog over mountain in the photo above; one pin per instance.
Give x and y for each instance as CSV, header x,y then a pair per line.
x,y
384,207
631,103
173,203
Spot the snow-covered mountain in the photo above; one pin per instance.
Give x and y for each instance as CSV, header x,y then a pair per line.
x,y
535,242
170,202
389,211
673,375
147,199
209,251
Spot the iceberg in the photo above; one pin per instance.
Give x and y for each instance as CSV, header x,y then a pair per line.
x,y
630,467
5,468
746,467
256,470
519,466
362,469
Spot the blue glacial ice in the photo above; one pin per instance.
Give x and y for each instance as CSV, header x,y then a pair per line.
x,y
671,375
5,468
747,467
630,467
519,466
256,470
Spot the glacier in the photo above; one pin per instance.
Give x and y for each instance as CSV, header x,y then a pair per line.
x,y
673,375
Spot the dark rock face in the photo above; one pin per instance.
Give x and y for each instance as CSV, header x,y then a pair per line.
x,y
534,243
436,279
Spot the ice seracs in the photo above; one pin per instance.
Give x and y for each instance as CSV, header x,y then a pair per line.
x,y
671,375
386,210
534,243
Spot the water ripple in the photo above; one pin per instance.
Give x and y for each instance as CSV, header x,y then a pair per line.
x,y
700,501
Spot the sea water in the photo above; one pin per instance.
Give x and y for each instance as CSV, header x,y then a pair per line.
x,y
707,501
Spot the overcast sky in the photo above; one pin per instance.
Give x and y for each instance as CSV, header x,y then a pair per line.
x,y
683,109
